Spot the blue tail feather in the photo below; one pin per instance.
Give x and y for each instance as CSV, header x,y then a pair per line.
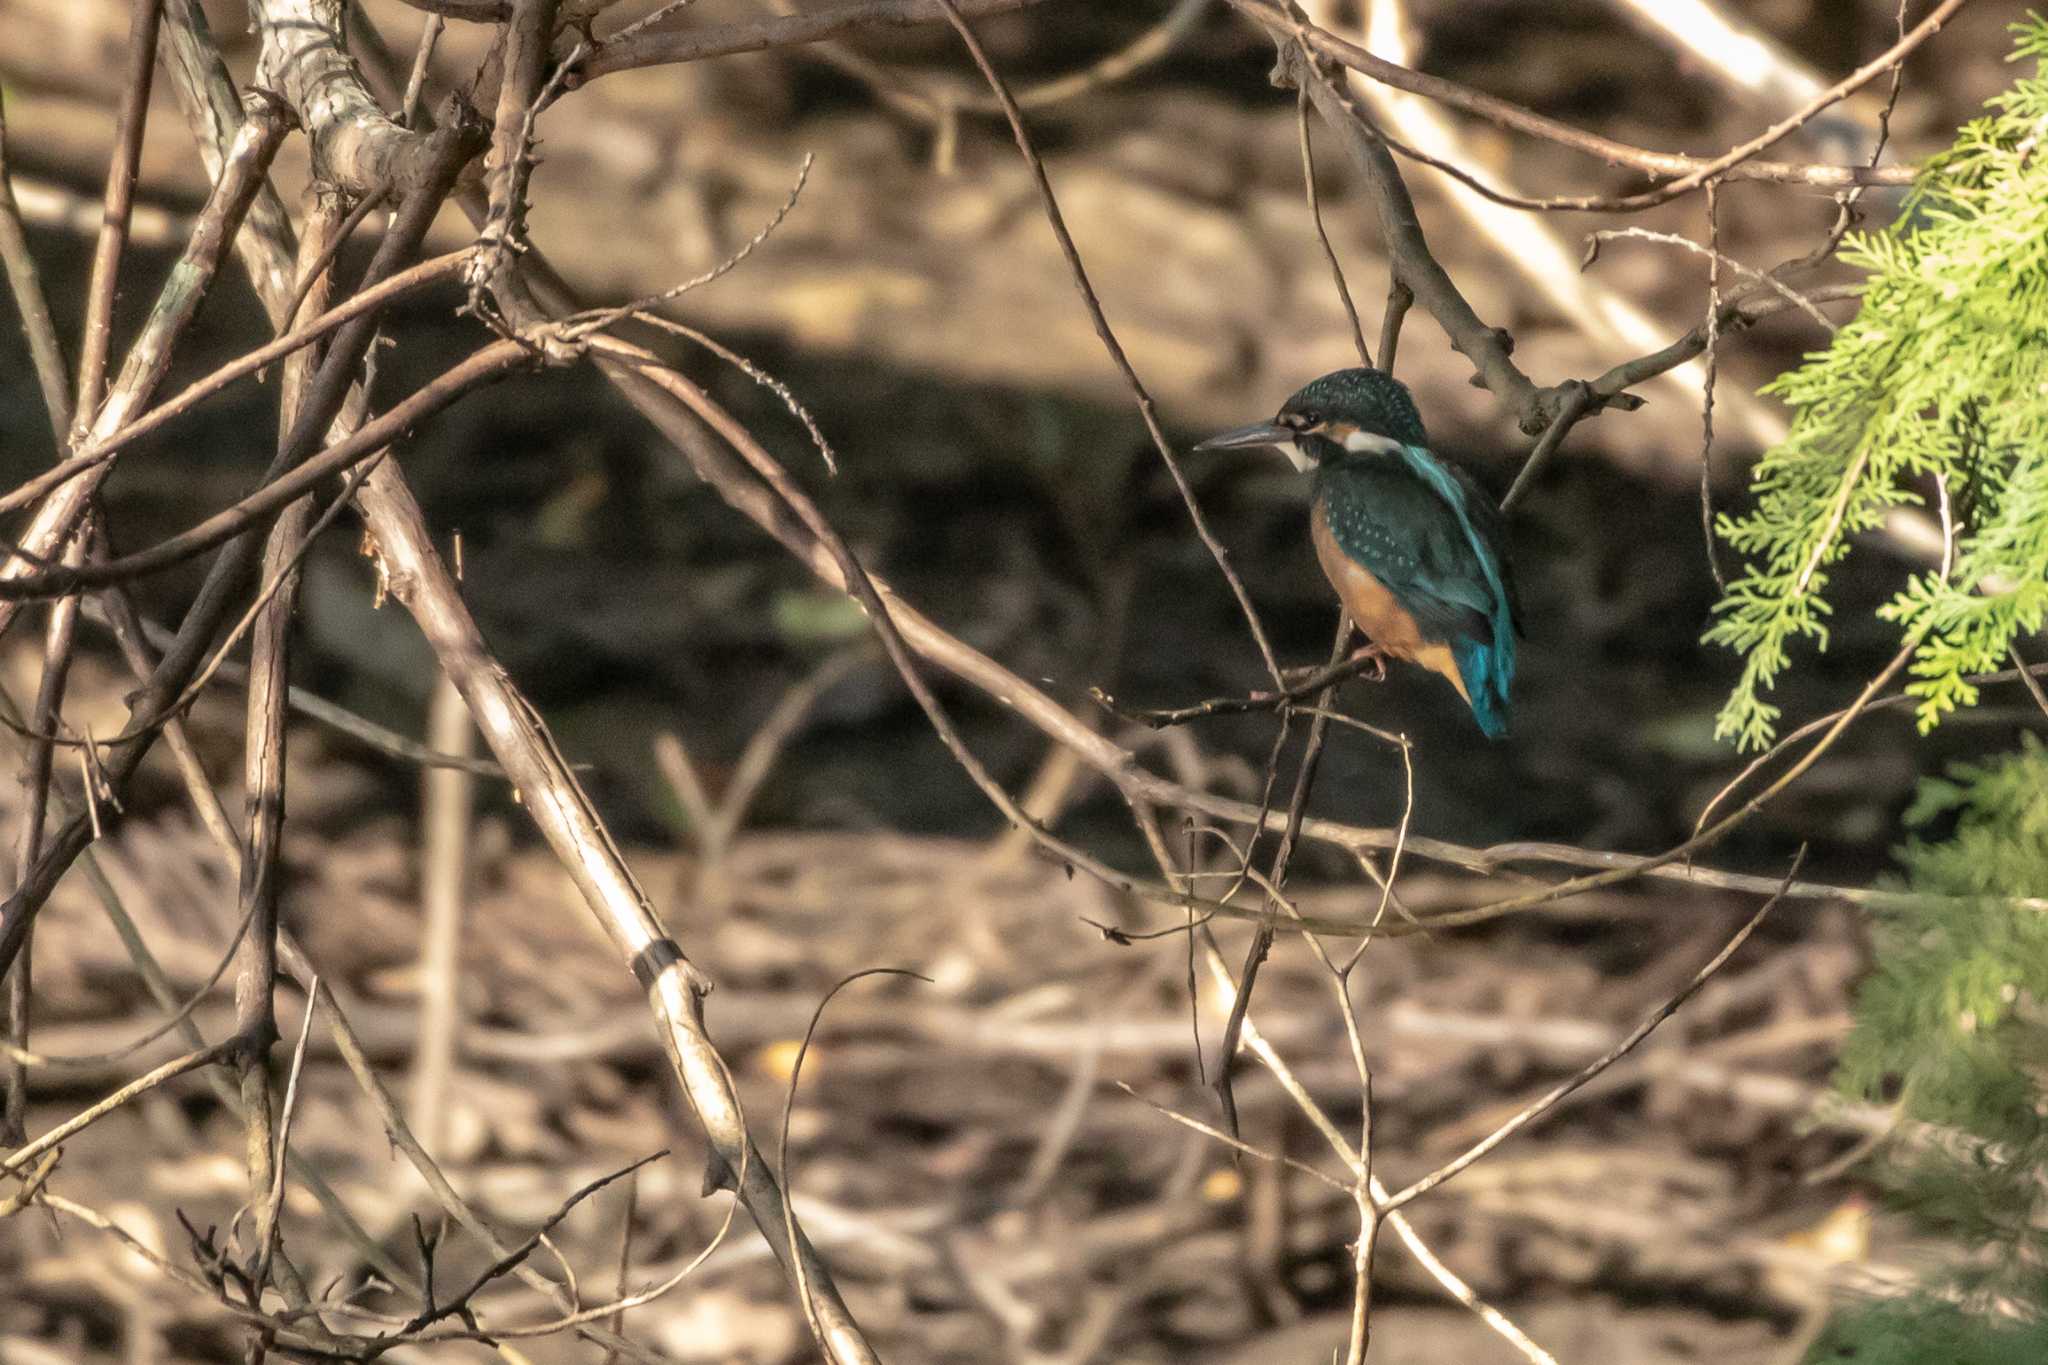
x,y
1488,669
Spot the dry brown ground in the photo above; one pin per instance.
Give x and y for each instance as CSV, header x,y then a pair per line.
x,y
963,1150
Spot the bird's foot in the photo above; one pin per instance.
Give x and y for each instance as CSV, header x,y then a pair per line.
x,y
1375,661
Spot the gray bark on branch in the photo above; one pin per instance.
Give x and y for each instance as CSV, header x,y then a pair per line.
x,y
358,146
304,57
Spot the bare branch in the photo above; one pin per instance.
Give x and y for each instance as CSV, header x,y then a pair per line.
x,y
1512,116
690,45
24,279
366,300
120,199
149,359
24,1156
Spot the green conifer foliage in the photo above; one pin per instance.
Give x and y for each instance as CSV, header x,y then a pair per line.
x,y
1939,382
1927,1332
1952,1028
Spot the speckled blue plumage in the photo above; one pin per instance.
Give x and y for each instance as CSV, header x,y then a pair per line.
x,y
1420,526
1373,399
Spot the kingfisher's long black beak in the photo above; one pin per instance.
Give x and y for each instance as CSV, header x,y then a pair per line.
x,y
1257,434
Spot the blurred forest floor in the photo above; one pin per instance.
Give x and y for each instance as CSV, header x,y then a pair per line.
x,y
960,1149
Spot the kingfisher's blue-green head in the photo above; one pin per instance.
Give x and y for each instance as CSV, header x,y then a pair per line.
x,y
1353,410
1412,545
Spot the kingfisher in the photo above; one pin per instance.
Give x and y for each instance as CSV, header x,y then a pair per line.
x,y
1414,547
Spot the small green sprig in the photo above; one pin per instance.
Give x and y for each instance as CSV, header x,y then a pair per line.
x,y
1940,381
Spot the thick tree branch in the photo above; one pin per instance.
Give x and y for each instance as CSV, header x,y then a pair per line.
x,y
355,143
548,788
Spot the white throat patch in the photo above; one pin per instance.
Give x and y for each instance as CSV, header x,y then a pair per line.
x,y
1292,450
1368,442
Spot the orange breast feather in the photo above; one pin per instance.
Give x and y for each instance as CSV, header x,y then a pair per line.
x,y
1374,610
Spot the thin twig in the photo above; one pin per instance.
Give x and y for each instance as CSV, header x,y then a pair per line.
x,y
96,337
22,1157
422,62
24,279
649,20
631,1200
176,1017
1717,261
357,1061
2033,683
1508,115
765,745
803,1288
1456,1287
317,271
512,1259
760,376
367,300
1394,861
1257,1043
603,319
1550,1099
1236,1144
36,768
1262,934
1316,683
1704,839
1147,410
1369,1206
150,1255
2029,676
677,769
1399,298
939,106
1315,213
1578,401
268,1222
1707,537
624,53
263,777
